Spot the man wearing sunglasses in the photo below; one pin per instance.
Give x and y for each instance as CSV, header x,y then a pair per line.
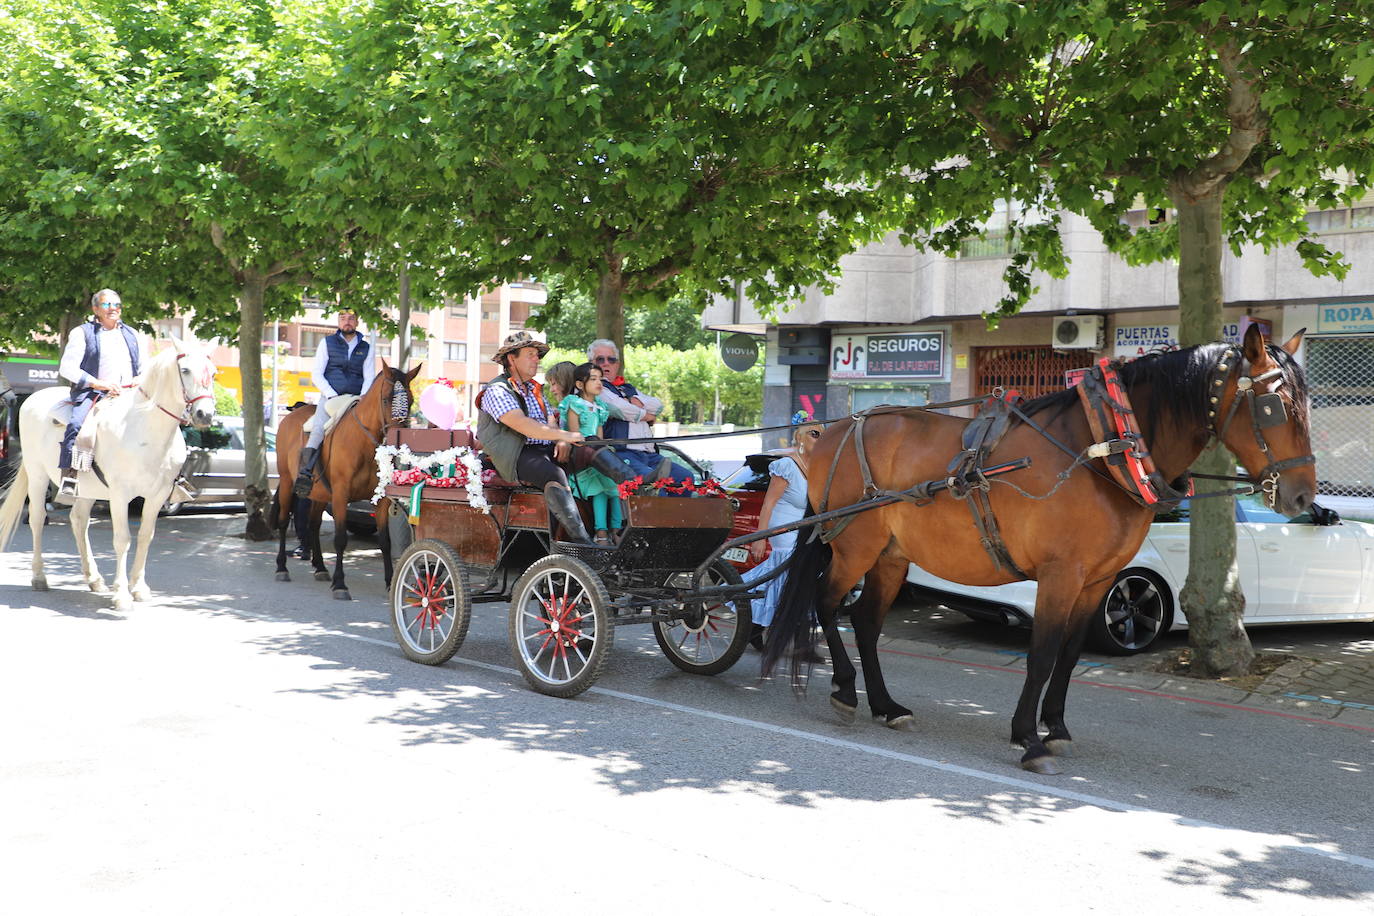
x,y
632,415
101,356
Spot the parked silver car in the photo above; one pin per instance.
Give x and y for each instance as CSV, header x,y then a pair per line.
x,y
215,463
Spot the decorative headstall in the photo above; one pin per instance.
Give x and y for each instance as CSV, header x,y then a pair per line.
x,y
1266,410
1119,442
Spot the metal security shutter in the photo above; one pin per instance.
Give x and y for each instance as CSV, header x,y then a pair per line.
x,y
1033,371
1340,371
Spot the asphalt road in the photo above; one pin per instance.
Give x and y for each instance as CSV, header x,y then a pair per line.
x,y
239,744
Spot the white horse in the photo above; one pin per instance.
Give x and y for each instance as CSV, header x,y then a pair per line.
x,y
138,449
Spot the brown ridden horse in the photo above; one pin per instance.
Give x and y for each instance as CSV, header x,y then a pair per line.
x,y
1073,542
346,471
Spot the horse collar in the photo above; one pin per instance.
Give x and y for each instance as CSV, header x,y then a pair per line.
x,y
1119,441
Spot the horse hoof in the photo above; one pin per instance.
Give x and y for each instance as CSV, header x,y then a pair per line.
x,y
283,576
322,575
902,723
1045,766
39,585
1060,747
98,586
124,603
844,710
341,594
142,594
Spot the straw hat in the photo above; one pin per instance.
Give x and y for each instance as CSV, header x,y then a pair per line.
x,y
518,340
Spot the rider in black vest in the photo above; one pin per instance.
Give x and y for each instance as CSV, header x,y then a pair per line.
x,y
344,364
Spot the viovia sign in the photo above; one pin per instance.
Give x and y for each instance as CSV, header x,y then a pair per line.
x,y
739,352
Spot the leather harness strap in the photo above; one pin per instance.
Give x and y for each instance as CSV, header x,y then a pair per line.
x,y
965,477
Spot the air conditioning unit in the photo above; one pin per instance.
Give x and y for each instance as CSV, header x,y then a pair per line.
x,y
1079,333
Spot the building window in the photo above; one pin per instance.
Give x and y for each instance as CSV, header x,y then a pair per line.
x,y
1032,371
996,240
455,352
458,310
1341,220
1147,216
311,338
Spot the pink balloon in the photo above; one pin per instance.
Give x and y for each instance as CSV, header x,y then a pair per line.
x,y
440,406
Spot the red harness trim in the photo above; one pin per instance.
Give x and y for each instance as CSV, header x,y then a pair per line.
x,y
1134,469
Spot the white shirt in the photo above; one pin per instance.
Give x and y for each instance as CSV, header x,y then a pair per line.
x,y
322,360
634,415
115,367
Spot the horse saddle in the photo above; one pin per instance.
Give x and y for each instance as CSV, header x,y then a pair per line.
x,y
336,407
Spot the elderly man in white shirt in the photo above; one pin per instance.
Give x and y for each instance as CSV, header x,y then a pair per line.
x,y
102,356
344,364
632,414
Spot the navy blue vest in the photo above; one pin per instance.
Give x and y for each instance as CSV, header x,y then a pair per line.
x,y
344,373
90,363
614,427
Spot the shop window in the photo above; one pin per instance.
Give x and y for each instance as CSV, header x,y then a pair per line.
x,y
1032,371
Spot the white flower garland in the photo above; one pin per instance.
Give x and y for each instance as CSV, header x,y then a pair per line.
x,y
390,456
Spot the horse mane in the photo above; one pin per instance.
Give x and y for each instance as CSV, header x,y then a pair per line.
x,y
1179,380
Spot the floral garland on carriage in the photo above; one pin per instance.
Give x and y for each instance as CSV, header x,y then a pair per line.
x,y
456,467
636,485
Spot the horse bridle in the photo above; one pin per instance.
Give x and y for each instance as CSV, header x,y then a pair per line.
x,y
185,417
1266,410
400,412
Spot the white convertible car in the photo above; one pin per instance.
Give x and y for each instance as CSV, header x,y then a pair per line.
x,y
1316,568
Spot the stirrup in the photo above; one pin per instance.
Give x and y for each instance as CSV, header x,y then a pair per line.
x,y
182,491
303,485
66,492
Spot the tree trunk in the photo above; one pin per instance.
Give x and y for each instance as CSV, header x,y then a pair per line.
x,y
610,308
257,498
1211,599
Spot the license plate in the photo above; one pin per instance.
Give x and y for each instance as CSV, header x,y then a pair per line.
x,y
736,555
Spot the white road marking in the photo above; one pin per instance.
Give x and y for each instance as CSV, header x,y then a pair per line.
x,y
1277,841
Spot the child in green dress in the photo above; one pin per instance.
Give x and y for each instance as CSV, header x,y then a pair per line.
x,y
582,412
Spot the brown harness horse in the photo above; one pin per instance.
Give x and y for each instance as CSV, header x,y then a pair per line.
x,y
1070,528
347,469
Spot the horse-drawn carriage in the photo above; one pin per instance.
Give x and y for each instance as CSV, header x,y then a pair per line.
x,y
466,545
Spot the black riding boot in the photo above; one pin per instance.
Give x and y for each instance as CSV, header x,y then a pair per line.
x,y
609,463
305,477
560,502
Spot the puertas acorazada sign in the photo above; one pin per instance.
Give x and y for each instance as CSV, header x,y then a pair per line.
x,y
1130,341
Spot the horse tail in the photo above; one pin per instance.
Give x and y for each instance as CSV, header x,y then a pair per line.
x,y
13,507
792,619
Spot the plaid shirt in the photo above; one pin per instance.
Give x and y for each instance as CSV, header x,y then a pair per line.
x,y
498,402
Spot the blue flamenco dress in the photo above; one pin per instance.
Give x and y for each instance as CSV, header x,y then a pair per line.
x,y
790,507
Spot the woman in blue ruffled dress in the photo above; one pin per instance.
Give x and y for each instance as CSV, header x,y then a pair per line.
x,y
784,502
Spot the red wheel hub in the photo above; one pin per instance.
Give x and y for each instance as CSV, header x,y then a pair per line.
x,y
430,596
562,625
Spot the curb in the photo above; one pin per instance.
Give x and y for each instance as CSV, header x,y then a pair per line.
x,y
1285,691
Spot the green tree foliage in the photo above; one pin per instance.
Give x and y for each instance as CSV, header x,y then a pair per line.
x,y
606,142
569,315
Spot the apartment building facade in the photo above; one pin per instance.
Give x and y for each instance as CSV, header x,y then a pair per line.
x,y
905,327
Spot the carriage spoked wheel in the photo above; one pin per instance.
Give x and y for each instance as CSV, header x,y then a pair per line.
x,y
560,625
431,604
712,634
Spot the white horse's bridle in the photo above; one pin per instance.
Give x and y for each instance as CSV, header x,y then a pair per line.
x,y
185,416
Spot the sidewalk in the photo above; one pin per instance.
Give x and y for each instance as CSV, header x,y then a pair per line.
x,y
1329,677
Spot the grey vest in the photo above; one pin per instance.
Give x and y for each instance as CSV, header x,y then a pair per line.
x,y
501,443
